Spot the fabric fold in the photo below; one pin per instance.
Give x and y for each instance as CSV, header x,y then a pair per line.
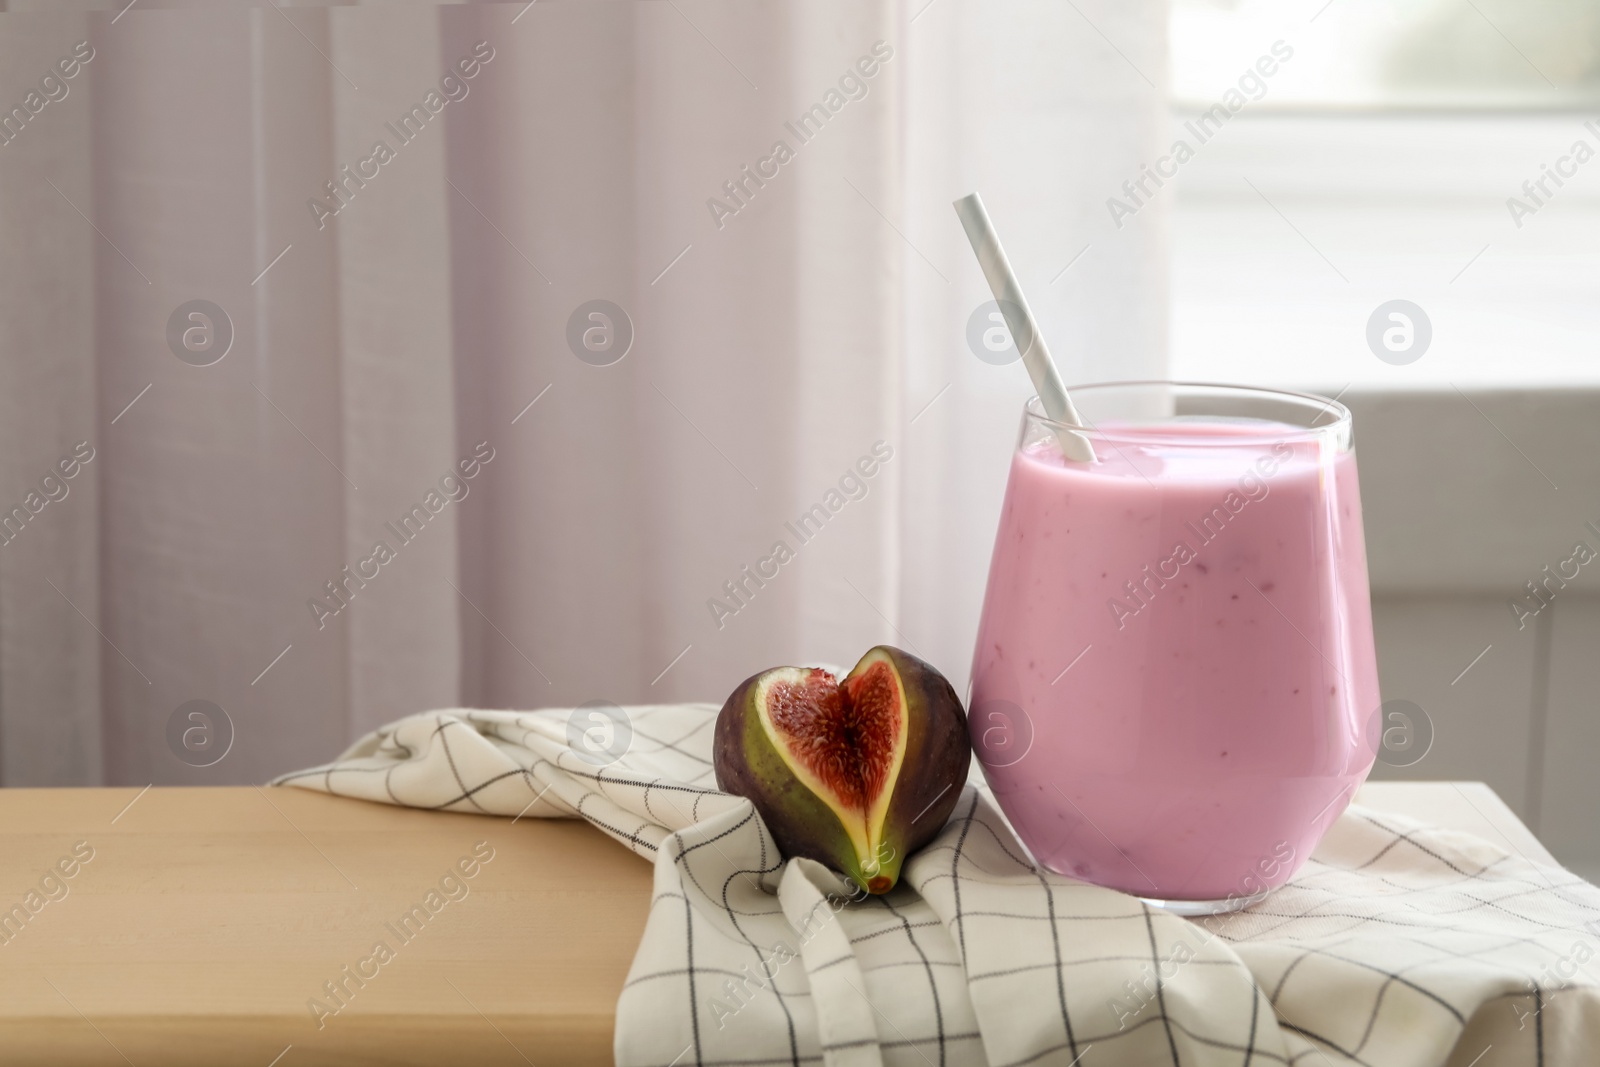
x,y
812,897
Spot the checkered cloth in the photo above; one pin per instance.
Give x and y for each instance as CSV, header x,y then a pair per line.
x,y
1398,945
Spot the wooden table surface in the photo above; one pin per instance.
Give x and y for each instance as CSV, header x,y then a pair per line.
x,y
205,920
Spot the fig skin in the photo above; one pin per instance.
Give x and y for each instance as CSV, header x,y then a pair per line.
x,y
937,754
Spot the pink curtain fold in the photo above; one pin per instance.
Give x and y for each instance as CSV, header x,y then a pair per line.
x,y
399,321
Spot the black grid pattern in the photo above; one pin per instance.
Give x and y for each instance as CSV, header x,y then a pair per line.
x,y
1398,945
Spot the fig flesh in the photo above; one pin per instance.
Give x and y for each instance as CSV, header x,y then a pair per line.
x,y
856,773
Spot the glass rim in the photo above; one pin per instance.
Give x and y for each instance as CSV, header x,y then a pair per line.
x,y
1342,420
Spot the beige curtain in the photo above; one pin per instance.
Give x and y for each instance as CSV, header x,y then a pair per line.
x,y
779,351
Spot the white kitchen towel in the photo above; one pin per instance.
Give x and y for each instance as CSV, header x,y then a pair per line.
x,y
1397,945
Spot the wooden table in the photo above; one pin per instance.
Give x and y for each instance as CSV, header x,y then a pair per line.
x,y
208,918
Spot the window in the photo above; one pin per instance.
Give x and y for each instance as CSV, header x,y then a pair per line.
x,y
1441,153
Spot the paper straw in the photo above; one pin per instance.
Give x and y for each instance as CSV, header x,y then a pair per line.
x,y
1024,328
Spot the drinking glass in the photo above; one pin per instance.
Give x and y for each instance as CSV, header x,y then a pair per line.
x,y
1174,675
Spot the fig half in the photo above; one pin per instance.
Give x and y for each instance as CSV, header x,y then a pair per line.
x,y
855,773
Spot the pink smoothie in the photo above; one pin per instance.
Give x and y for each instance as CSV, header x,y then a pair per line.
x,y
1174,668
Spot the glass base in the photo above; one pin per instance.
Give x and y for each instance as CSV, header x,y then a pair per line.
x,y
1195,909
1187,909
